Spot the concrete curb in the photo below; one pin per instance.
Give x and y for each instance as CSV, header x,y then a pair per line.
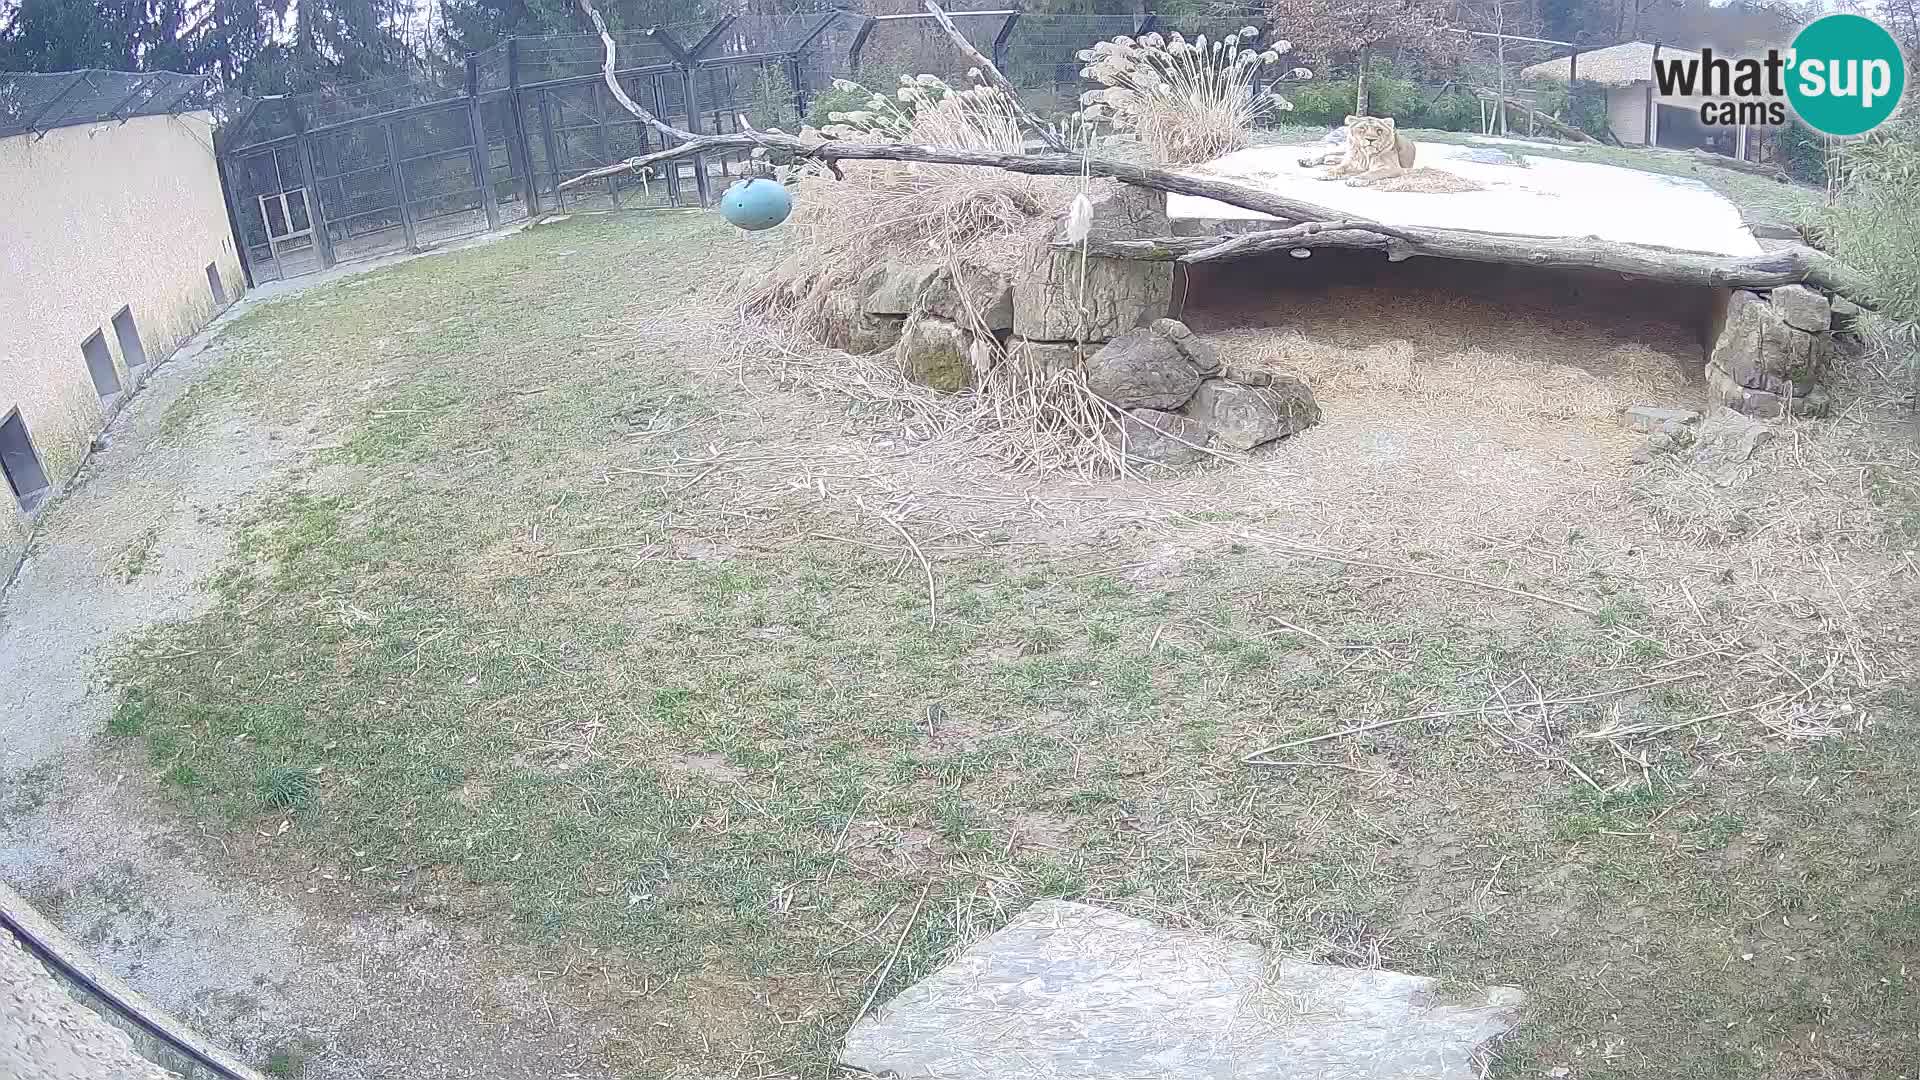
x,y
157,1036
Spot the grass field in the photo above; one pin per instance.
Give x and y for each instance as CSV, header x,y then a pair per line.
x,y
581,620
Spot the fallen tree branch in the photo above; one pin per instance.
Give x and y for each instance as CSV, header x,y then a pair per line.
x,y
829,151
1787,266
1722,161
994,77
613,84
1564,130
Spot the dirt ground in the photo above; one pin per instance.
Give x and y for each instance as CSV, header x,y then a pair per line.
x,y
507,664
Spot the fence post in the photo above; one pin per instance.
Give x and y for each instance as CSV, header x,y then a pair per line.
x,y
400,187
1000,39
553,148
673,167
481,154
223,161
691,88
799,92
316,210
600,95
517,146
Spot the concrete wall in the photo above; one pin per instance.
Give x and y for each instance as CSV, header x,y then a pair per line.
x,y
94,218
1627,113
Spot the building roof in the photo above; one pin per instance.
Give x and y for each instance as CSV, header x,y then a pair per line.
x,y
1616,65
36,102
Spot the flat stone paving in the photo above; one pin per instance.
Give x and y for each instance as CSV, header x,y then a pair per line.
x,y
1069,990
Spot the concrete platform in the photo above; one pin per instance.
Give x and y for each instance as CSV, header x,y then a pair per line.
x,y
1070,991
1529,195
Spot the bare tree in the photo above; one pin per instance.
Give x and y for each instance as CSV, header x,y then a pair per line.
x,y
1359,28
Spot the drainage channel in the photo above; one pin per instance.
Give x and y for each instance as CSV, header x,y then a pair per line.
x,y
155,1035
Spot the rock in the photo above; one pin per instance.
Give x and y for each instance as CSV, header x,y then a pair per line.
x,y
1754,345
1653,418
1164,438
874,333
1845,316
1120,294
1761,360
1723,391
1808,357
1243,417
973,293
894,287
1728,437
1814,403
1803,308
1122,212
1145,369
1200,354
1249,376
1046,357
1071,990
934,352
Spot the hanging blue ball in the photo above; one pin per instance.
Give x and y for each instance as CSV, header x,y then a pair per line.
x,y
756,204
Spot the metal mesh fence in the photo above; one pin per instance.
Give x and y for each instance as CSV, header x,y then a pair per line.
x,y
36,103
393,164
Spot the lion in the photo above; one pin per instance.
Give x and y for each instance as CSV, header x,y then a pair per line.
x,y
1375,151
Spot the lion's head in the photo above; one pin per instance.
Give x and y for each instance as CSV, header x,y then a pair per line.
x,y
1370,133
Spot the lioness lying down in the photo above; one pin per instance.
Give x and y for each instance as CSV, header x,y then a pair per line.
x,y
1375,151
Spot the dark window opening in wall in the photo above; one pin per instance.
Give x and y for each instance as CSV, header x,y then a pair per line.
x,y
131,349
106,380
214,283
19,462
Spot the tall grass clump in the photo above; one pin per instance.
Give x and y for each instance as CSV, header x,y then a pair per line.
x,y
921,212
1873,224
1187,101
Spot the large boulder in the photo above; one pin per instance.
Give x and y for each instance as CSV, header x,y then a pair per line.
x,y
1121,212
1052,301
1772,353
1198,353
1162,438
1242,417
1802,308
934,352
893,287
1753,350
972,296
1150,368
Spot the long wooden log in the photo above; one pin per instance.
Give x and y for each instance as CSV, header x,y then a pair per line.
x,y
1787,266
833,150
1722,161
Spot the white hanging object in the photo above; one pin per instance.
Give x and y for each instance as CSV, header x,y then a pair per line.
x,y
1079,219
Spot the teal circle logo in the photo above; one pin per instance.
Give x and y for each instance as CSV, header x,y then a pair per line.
x,y
1846,74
